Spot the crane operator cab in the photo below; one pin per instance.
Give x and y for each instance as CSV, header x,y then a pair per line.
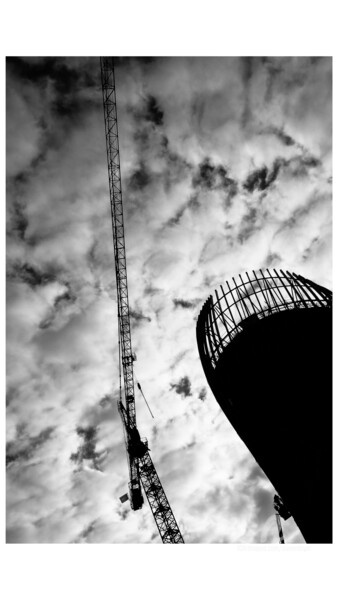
x,y
135,494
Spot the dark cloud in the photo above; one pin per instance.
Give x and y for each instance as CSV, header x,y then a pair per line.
x,y
165,145
206,176
312,248
66,79
61,302
150,290
297,166
138,316
247,65
274,70
215,177
64,299
15,535
273,260
30,274
85,534
103,411
177,168
46,322
106,400
248,224
86,450
198,108
311,161
184,303
182,387
47,99
281,135
32,69
226,183
123,512
262,178
147,118
177,217
142,136
63,71
153,112
202,394
139,178
24,447
231,188
18,221
10,395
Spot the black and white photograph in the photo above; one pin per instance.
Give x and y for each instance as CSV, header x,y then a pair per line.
x,y
169,294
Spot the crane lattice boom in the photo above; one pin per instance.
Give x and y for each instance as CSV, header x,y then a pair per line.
x,y
115,189
158,501
141,468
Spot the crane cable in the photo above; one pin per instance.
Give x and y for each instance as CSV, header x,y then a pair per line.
x,y
120,359
139,387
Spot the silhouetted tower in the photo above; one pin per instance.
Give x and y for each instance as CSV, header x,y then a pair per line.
x,y
265,343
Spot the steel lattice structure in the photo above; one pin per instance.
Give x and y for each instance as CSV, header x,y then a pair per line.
x,y
248,299
115,189
141,467
158,501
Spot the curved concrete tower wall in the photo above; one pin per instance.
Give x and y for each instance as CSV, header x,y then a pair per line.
x,y
265,343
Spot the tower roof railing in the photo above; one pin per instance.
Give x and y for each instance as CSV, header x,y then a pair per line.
x,y
248,298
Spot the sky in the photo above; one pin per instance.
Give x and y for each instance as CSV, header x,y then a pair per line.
x,y
226,167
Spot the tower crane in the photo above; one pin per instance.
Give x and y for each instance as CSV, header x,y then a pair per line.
x,y
141,467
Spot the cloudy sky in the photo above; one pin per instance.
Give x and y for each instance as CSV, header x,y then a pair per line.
x,y
226,167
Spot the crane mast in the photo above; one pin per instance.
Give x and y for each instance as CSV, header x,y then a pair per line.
x,y
141,467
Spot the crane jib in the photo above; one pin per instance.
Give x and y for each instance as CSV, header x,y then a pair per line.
x,y
141,467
